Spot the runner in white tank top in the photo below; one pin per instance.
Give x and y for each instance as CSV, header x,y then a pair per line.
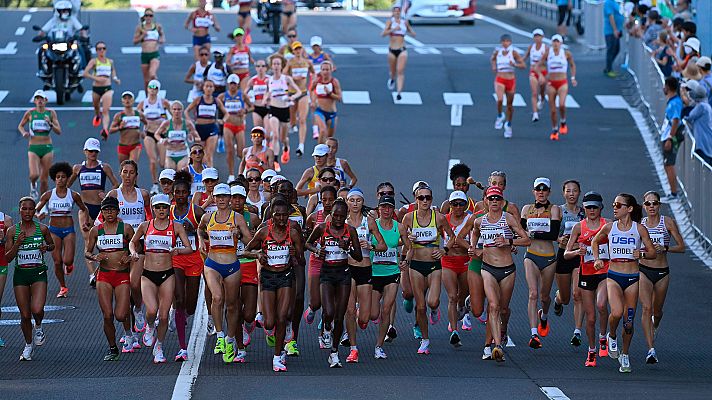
x,y
537,77
557,61
504,60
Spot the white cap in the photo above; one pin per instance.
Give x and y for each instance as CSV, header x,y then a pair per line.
x,y
238,190
648,3
160,199
315,41
458,195
693,43
704,62
268,174
233,79
168,173
218,50
154,82
538,31
276,179
419,184
320,150
557,37
542,181
209,173
127,93
92,144
40,93
221,189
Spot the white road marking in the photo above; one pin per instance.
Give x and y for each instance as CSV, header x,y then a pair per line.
x,y
408,98
506,26
554,393
342,50
10,48
450,163
510,342
141,96
380,50
3,94
468,50
456,101
20,31
196,346
175,49
427,50
261,49
382,25
53,97
26,18
518,100
570,102
32,10
355,97
612,102
131,50
87,97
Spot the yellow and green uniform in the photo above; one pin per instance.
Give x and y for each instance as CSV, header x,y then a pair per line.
x,y
30,266
40,127
102,68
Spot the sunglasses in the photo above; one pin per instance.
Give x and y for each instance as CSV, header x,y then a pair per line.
x,y
153,87
92,151
386,193
495,198
253,179
256,135
291,36
197,152
161,206
210,180
424,197
458,203
148,15
327,179
652,203
100,48
260,66
617,205
204,54
541,189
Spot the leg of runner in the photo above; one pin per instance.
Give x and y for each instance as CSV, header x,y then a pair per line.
x,y
105,293
209,145
45,164
106,100
578,308
96,104
38,299
58,264
33,164
602,308
616,302
534,282
22,299
389,299
551,94
589,308
652,298
562,93
179,303
3,280
152,152
231,286
297,309
392,61
401,62
229,137
418,282
302,113
534,87
144,73
135,154
153,69
135,281
630,303
450,281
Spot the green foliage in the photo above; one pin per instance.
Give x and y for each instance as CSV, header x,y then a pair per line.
x,y
378,4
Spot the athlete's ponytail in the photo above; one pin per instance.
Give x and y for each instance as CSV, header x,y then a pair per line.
x,y
637,213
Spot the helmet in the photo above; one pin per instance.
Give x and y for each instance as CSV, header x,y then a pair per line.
x,y
63,8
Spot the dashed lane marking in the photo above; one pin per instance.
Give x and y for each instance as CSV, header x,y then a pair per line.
x,y
570,101
131,50
9,322
356,97
468,50
342,50
407,98
262,49
87,97
450,163
612,102
427,50
26,17
9,49
380,50
3,94
554,393
518,100
175,49
20,31
456,101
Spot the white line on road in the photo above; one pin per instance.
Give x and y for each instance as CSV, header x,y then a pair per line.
x,y
380,50
87,97
554,393
381,25
450,163
196,346
175,49
408,98
32,10
20,31
10,48
26,18
131,50
468,50
456,101
506,26
570,101
342,50
612,102
427,50
57,109
262,49
355,97
3,94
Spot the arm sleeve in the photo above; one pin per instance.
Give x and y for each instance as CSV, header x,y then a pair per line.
x,y
553,233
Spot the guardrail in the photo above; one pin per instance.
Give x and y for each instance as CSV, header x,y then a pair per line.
x,y
548,8
694,175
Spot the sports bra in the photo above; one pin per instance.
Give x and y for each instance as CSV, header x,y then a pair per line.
x,y
154,111
207,110
398,28
323,89
152,35
334,254
557,62
220,234
190,217
60,206
505,61
425,236
659,234
132,213
38,125
111,242
489,231
157,240
536,55
277,251
92,178
622,244
585,239
233,104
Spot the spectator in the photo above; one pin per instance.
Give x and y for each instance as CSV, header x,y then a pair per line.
x,y
691,48
663,54
655,26
692,72
668,135
565,7
700,120
612,25
705,64
681,8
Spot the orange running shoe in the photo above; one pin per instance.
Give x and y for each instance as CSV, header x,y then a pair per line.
x,y
63,292
591,359
353,357
603,347
563,128
96,121
554,135
535,342
543,327
285,156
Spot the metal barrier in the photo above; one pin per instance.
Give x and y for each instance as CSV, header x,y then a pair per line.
x,y
694,175
548,8
593,22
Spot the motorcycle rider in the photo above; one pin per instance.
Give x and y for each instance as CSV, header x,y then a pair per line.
x,y
63,19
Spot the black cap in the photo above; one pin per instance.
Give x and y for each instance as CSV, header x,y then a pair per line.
x,y
387,200
592,199
110,202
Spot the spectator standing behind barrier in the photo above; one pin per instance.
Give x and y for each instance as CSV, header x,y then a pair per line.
x,y
664,54
700,119
565,7
654,27
705,64
668,135
612,25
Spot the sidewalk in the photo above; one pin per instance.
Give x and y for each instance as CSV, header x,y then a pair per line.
x,y
519,18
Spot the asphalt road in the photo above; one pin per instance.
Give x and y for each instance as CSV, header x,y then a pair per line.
x,y
382,141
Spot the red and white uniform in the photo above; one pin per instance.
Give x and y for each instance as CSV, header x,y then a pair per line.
x,y
159,241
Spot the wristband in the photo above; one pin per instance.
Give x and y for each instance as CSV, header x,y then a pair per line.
x,y
573,78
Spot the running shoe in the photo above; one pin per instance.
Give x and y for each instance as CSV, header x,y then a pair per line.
x,y
322,345
391,84
309,315
558,308
63,291
148,337
172,320
563,128
112,354
328,340
508,130
277,167
591,359
487,353
246,339
128,344
399,97
540,104
611,74
158,357
652,357
625,363
68,269
603,347
345,340
391,334
229,354
240,357
499,122
140,320
554,135
543,327
2,342
92,281
249,327
154,189
612,347
449,327
182,355
39,336
277,365
379,354
219,346
498,353
294,129
283,357
34,193
576,339
221,145
535,117
417,333
352,357
483,317
104,134
26,354
136,338
467,323
334,360
292,348
211,326
424,346
535,342
315,132
289,333
285,156
455,339
408,305
96,121
270,339
300,150
434,316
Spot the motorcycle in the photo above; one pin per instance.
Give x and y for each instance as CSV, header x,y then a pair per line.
x,y
270,15
60,62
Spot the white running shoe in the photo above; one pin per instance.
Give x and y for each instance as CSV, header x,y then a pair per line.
x,y
294,129
625,363
34,192
136,336
158,357
499,122
535,117
424,346
508,130
652,357
154,189
379,353
612,347
148,337
322,345
391,84
140,323
467,323
289,333
211,326
277,365
172,317
540,104
334,360
328,340
246,339
26,353
230,178
182,355
468,304
128,344
39,336
487,353
345,340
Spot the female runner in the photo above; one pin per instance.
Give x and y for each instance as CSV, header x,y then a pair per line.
x,y
327,177
244,18
150,34
255,196
325,93
175,135
102,71
558,61
196,73
258,85
537,77
461,180
128,123
301,70
233,122
196,168
206,119
318,56
154,110
278,100
340,165
504,60
240,57
206,199
396,29
201,21
499,179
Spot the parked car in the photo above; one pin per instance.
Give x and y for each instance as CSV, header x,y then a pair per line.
x,y
158,4
462,11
